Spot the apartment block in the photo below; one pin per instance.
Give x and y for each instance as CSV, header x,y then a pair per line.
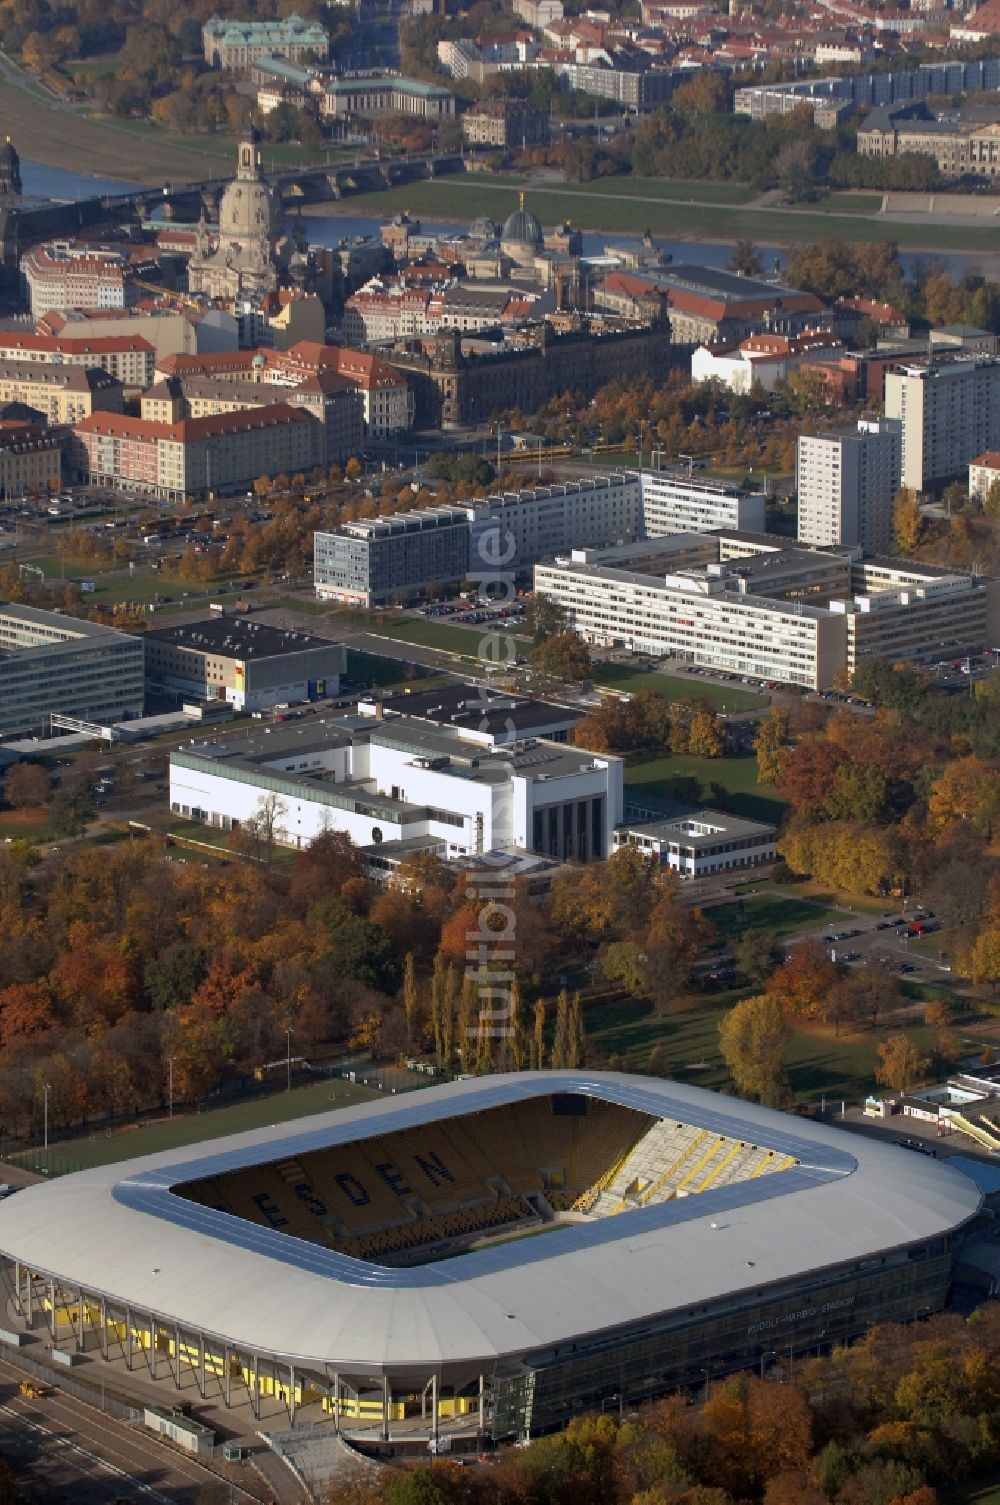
x,y
329,398
70,274
129,358
54,663
386,400
950,412
194,456
847,481
30,458
62,394
505,123
685,504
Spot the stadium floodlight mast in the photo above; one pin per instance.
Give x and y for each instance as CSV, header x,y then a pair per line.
x,y
288,1060
170,1086
45,1098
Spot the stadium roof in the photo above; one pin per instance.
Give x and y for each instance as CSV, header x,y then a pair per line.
x,y
119,1230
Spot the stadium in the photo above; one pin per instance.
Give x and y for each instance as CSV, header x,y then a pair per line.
x,y
490,1256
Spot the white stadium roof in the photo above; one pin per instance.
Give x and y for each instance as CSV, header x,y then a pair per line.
x,y
120,1231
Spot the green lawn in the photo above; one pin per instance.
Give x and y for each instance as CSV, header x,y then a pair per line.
x,y
462,198
370,671
772,911
854,203
441,635
674,687
544,198
108,1146
689,1037
738,776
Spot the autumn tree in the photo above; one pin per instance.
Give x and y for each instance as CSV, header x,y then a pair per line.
x,y
563,656
753,1038
769,743
907,522
900,1064
26,786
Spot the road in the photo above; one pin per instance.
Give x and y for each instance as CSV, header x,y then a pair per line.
x,y
71,1452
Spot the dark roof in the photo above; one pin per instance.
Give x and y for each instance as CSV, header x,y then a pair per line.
x,y
469,709
236,637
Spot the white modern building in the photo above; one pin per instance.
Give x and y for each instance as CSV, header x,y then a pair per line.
x,y
387,781
504,535
515,529
696,843
50,662
847,481
797,615
950,411
686,504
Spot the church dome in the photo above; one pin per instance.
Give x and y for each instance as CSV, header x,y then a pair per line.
x,y
249,209
522,229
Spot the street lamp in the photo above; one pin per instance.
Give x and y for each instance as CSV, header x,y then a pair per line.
x,y
45,1096
170,1086
288,1060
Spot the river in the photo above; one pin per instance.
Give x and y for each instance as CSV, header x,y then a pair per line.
x,y
327,229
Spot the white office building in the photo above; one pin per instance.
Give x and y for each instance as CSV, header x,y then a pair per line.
x,y
711,616
686,504
798,615
950,411
847,481
522,527
696,843
50,662
394,784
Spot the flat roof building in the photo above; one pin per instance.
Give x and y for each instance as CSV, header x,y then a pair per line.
x,y
686,504
798,615
847,482
250,664
696,843
950,411
385,781
50,662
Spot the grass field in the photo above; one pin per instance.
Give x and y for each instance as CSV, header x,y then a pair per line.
x,y
689,1038
738,776
772,911
107,1147
720,697
370,671
438,635
639,190
32,825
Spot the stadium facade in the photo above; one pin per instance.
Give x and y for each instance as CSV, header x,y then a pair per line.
x,y
367,1262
